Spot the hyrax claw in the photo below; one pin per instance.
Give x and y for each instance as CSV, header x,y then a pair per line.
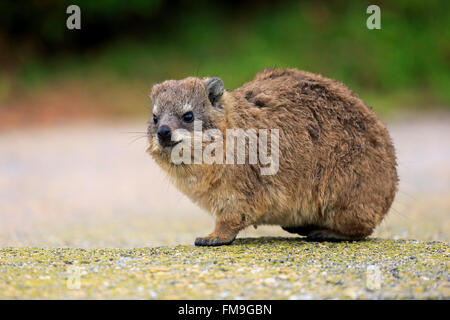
x,y
207,241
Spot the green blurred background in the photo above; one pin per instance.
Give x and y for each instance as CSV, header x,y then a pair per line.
x,y
108,67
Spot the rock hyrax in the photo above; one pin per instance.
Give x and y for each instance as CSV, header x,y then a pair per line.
x,y
335,176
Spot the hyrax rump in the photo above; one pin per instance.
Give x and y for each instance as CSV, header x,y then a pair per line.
x,y
336,175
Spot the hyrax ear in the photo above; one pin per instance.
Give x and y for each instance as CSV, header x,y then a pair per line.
x,y
214,90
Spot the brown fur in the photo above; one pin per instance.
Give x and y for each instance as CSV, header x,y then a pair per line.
x,y
337,172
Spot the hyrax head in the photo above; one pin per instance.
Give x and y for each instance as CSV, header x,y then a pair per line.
x,y
177,105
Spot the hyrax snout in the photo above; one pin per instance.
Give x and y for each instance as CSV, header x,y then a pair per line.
x,y
289,148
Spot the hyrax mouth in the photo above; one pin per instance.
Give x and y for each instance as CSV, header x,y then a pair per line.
x,y
168,145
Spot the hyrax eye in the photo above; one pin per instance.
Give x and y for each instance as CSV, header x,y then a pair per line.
x,y
155,119
188,117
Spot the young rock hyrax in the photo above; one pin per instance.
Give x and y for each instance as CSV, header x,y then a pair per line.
x,y
334,175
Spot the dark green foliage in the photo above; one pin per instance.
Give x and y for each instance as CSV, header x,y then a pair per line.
x,y
407,61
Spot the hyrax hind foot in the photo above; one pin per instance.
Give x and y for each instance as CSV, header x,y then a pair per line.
x,y
329,235
303,231
314,233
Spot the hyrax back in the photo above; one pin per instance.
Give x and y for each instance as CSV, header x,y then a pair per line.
x,y
336,176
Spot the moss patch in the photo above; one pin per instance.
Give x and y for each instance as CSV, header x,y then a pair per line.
x,y
251,268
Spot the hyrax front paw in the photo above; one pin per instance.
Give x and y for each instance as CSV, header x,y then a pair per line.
x,y
224,232
213,241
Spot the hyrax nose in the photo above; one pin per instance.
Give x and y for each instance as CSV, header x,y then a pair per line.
x,y
164,133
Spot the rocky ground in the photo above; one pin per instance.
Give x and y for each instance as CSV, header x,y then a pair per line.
x,y
88,186
251,268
